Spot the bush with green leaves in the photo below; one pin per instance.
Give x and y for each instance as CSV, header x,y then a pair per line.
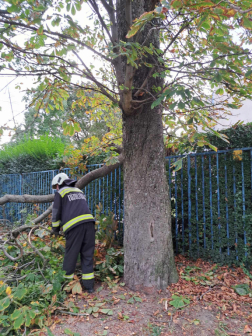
x,y
239,136
111,266
30,287
43,153
109,256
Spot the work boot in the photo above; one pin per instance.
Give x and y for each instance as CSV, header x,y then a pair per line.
x,y
88,285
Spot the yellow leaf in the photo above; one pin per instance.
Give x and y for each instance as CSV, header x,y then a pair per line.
x,y
237,155
8,290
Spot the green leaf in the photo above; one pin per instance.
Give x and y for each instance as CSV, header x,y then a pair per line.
x,y
233,106
181,105
246,23
203,19
218,77
172,106
78,6
19,321
32,313
95,309
198,101
138,299
178,164
220,91
212,147
71,130
49,332
68,332
100,304
178,301
106,311
131,300
40,30
4,303
16,314
27,320
77,127
242,289
248,73
13,9
89,310
19,293
176,4
73,10
40,8
122,297
3,288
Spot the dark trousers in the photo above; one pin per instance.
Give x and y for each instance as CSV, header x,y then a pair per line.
x,y
80,240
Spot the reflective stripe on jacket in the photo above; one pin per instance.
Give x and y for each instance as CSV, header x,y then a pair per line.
x,y
70,208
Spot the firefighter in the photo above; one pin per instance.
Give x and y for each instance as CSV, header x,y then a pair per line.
x,y
71,213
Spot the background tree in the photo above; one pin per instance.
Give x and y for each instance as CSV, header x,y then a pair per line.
x,y
39,122
161,62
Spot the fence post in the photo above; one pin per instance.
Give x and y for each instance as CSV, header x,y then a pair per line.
x,y
243,209
226,200
218,198
203,200
189,200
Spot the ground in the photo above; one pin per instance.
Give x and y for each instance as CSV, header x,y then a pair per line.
x,y
204,302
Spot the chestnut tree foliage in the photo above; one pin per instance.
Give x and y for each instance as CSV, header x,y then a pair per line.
x,y
156,64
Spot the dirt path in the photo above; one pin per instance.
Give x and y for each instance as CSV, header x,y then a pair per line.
x,y
210,303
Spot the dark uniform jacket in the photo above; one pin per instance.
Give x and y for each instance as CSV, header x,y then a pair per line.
x,y
70,207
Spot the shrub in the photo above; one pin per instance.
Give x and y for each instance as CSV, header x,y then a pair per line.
x,y
108,254
29,155
239,136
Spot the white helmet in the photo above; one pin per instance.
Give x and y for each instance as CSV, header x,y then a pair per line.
x,y
59,179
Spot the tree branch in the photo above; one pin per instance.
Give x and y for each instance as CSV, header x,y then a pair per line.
x,y
48,33
96,9
26,199
100,172
238,9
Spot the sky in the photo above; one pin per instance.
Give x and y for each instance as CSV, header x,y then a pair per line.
x,y
9,95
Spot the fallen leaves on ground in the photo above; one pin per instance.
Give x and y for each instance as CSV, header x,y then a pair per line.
x,y
208,297
214,285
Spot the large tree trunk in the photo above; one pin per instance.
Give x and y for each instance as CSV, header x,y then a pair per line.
x,y
149,257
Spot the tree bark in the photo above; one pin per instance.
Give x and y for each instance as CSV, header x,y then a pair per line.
x,y
149,257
